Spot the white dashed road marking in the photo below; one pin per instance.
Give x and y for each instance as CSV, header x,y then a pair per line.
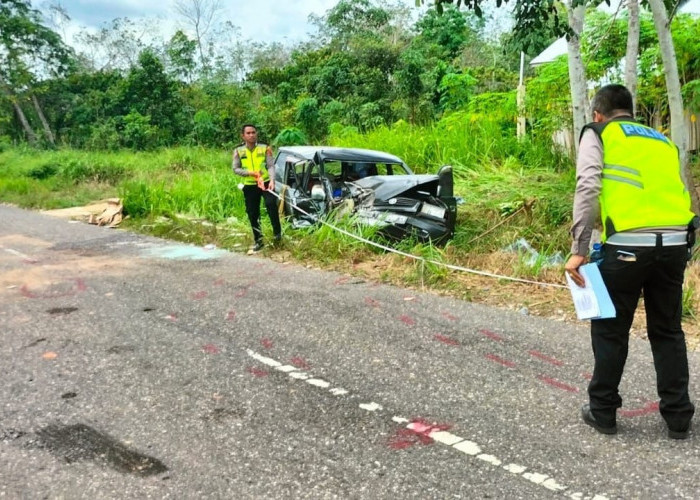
x,y
318,383
515,468
371,407
468,447
446,438
286,368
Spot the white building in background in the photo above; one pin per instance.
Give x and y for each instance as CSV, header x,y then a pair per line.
x,y
558,48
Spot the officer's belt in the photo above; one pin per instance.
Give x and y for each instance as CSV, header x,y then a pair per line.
x,y
648,239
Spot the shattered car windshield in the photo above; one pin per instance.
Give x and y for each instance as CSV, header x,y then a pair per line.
x,y
337,170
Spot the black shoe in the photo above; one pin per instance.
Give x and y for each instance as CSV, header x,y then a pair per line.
x,y
277,240
679,434
588,418
258,246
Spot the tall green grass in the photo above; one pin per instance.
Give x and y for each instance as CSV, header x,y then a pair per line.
x,y
459,139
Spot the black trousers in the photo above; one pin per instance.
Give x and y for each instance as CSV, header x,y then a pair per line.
x,y
657,273
252,195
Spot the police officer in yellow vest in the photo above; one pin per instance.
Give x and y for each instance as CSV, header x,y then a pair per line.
x,y
255,164
630,175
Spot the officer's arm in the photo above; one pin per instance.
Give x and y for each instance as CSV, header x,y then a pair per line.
x,y
589,168
270,163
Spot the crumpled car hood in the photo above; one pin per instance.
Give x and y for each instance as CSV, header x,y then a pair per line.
x,y
386,187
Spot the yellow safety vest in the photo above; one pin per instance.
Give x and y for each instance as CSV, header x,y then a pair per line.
x,y
641,179
254,161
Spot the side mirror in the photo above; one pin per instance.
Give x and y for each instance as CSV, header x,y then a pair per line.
x,y
445,182
318,193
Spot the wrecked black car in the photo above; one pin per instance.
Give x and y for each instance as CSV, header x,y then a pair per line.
x,y
377,188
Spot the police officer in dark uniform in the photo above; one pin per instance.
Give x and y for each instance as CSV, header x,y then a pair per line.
x,y
255,164
630,175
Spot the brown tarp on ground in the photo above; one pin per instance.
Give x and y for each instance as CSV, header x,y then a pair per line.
x,y
103,213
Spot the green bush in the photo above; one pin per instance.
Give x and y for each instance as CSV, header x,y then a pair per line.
x,y
138,132
290,137
43,171
5,143
84,170
104,137
143,199
205,131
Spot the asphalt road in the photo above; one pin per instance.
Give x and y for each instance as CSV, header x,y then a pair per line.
x,y
135,367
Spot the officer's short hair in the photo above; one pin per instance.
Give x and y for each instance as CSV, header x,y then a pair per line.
x,y
246,125
611,98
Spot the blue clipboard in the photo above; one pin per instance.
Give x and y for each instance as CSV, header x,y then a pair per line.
x,y
591,301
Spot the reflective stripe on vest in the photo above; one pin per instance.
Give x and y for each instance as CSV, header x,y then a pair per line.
x,y
254,161
641,179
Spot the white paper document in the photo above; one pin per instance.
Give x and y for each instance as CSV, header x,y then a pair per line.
x,y
591,301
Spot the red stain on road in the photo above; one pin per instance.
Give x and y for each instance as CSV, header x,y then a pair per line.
x,y
300,362
499,360
651,407
257,372
199,295
231,315
587,376
422,426
341,280
171,317
556,383
407,320
419,434
403,438
266,343
445,339
371,302
546,358
219,282
491,335
210,349
449,316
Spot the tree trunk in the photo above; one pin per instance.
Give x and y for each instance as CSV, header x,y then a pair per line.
x,y
31,136
673,84
44,122
632,49
577,72
673,90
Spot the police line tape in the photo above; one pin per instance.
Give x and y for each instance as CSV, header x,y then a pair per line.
x,y
411,256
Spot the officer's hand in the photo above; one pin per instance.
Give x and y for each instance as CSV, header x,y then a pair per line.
x,y
271,185
256,174
571,267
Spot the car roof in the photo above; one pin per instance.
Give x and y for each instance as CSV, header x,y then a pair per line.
x,y
335,153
